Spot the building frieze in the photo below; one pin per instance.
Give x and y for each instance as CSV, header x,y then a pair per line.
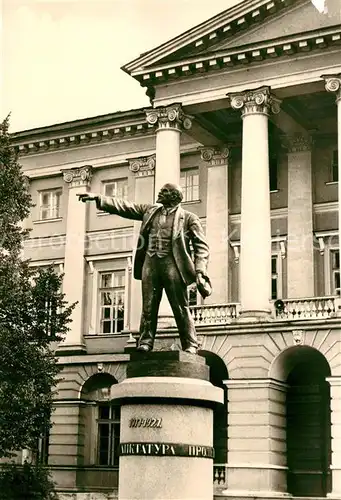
x,y
73,140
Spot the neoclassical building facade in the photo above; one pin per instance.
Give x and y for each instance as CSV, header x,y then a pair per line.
x,y
246,115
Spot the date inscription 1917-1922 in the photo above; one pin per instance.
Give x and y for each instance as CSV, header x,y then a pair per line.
x,y
155,423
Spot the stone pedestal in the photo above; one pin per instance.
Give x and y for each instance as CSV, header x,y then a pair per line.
x,y
166,444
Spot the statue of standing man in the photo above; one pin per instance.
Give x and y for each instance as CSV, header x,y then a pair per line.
x,y
169,237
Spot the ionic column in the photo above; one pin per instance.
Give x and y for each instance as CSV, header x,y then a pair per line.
x,y
300,259
255,261
170,121
78,180
143,170
333,84
217,223
256,437
335,406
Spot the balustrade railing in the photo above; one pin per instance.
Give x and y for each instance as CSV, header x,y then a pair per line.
x,y
219,474
287,310
214,314
306,308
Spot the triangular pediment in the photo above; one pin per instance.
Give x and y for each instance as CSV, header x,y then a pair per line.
x,y
249,22
300,18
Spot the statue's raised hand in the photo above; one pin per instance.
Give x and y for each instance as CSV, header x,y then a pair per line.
x,y
86,196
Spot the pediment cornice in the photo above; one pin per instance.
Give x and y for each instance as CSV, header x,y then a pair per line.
x,y
293,45
80,133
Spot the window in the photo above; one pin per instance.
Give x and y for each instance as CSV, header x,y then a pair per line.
x,y
335,166
49,204
192,295
273,174
189,182
335,272
117,188
42,449
108,434
112,301
276,276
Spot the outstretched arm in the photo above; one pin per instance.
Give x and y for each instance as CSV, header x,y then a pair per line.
x,y
116,206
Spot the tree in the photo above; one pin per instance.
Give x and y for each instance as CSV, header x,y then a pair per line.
x,y
33,312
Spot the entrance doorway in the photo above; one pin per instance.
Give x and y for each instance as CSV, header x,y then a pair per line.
x,y
308,424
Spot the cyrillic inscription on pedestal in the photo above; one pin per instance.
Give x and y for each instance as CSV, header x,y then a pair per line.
x,y
166,450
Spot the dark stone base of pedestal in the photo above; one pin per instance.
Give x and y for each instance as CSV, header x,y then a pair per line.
x,y
167,364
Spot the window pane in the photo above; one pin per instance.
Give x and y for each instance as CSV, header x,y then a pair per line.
x,y
103,411
106,280
273,173
274,265
106,327
274,288
106,298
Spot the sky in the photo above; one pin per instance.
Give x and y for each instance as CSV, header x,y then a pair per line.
x,y
61,59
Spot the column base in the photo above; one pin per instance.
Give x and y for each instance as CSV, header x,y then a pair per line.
x,y
70,349
254,315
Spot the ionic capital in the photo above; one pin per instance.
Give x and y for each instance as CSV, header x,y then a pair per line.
x,y
143,166
255,102
215,155
297,143
78,177
169,117
332,83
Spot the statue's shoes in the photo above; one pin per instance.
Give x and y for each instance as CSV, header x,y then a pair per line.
x,y
144,348
191,350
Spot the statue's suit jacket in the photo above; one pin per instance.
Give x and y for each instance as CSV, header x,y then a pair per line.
x,y
186,228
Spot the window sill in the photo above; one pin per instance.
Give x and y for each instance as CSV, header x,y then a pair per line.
x,y
101,213
331,183
191,202
43,221
274,191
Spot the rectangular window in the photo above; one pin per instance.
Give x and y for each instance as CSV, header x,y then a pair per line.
x,y
335,272
49,204
274,277
108,434
273,174
117,188
111,299
189,182
335,166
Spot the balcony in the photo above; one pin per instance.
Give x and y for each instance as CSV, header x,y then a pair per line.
x,y
290,310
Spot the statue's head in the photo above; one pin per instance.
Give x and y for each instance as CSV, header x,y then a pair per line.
x,y
170,195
